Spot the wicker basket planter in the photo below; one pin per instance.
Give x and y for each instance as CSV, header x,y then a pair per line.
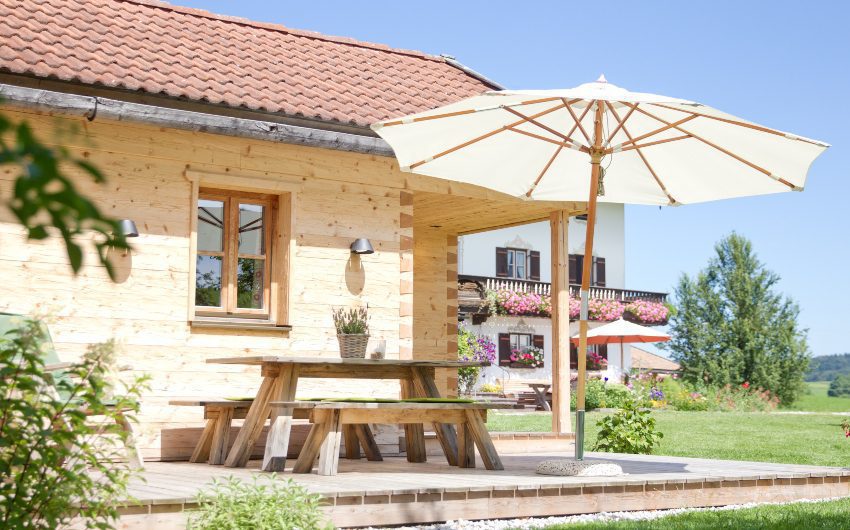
x,y
352,345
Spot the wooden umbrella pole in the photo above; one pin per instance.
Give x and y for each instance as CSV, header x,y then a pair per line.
x,y
596,154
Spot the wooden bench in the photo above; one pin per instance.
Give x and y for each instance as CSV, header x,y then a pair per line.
x,y
330,419
220,413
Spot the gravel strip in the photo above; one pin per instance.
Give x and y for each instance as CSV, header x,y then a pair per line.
x,y
543,522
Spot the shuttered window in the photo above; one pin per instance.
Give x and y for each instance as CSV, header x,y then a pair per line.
x,y
601,349
576,270
516,341
517,263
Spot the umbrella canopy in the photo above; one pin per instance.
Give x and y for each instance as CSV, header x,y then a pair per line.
x,y
620,331
642,149
658,150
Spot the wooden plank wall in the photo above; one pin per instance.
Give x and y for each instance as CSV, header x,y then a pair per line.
x,y
338,197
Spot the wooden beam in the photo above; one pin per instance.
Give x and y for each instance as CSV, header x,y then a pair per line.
x,y
559,224
96,108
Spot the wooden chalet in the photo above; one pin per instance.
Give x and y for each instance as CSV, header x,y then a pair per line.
x,y
242,152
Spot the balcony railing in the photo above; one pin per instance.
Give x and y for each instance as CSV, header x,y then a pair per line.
x,y
543,288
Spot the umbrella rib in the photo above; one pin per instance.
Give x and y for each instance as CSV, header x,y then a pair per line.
x,y
753,126
545,169
660,130
723,150
620,124
483,137
405,121
572,144
541,125
578,121
656,142
643,157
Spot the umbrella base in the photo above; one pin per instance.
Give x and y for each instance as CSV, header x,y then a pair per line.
x,y
570,467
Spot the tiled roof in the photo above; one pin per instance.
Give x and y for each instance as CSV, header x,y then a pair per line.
x,y
158,48
651,361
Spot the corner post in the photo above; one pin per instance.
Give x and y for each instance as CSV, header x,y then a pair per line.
x,y
559,224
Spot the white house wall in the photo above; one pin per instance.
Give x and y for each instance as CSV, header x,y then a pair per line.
x,y
477,252
495,325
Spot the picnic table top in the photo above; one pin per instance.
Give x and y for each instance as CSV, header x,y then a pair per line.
x,y
404,405
280,359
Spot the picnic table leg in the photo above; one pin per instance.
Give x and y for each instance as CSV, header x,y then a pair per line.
x,y
277,443
482,439
445,431
541,397
465,447
220,436
240,453
367,441
202,450
414,433
329,452
352,443
308,454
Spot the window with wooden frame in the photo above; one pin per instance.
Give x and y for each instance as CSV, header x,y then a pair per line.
x,y
597,270
508,342
517,263
233,263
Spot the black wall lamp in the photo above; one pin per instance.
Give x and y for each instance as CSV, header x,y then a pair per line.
x,y
362,246
128,228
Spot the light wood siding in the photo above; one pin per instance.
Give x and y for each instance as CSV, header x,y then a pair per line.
x,y
154,175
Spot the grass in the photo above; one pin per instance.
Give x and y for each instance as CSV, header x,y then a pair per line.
x,y
814,439
818,515
816,400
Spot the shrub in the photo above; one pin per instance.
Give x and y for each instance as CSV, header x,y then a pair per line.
x,y
629,430
55,462
840,386
740,399
472,348
649,312
234,505
616,396
493,388
606,310
594,395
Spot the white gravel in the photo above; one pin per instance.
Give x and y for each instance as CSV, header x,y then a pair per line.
x,y
543,522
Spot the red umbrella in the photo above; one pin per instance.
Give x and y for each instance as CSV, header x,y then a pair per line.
x,y
620,332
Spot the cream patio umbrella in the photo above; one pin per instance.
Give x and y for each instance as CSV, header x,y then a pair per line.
x,y
657,150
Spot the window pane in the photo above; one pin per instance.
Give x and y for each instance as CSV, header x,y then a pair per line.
x,y
208,281
524,341
511,263
249,283
210,225
251,229
514,342
520,264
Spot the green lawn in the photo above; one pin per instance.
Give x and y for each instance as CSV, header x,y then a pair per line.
x,y
817,400
815,439
826,515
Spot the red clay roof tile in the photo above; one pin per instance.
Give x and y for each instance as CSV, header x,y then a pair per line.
x,y
188,53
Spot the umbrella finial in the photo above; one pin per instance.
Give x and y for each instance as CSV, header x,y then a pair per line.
x,y
601,79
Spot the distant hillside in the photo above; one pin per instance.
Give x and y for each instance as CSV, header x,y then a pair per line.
x,y
825,368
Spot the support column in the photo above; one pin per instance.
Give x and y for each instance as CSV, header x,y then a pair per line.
x,y
559,224
451,312
405,288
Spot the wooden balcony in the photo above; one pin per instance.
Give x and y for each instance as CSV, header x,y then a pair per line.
x,y
543,288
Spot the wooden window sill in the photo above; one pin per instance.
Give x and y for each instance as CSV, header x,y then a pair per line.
x,y
238,323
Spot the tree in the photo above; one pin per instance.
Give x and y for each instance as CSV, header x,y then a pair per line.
x,y
839,387
44,197
732,327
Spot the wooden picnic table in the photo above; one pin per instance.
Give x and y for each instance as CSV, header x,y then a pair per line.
x,y
540,394
280,381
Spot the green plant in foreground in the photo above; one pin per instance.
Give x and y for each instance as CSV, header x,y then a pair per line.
x,y
45,197
265,504
351,321
60,445
629,430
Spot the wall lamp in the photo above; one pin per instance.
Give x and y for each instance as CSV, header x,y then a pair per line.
x,y
362,246
128,228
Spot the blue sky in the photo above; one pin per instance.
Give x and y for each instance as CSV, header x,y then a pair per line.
x,y
784,64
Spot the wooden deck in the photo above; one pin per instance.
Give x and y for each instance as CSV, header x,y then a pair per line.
x,y
433,491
